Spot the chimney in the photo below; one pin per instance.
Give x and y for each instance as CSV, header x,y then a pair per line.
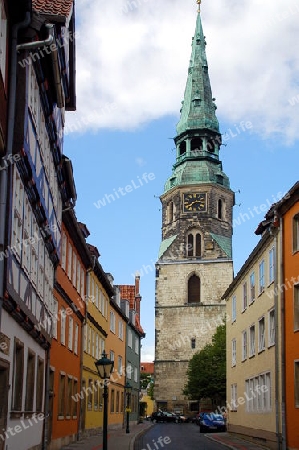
x,y
137,284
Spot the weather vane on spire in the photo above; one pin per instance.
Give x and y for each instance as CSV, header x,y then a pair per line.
x,y
198,2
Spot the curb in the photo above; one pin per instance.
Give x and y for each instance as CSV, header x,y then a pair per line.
x,y
221,443
140,433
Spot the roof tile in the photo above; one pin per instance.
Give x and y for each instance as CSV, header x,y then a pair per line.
x,y
56,8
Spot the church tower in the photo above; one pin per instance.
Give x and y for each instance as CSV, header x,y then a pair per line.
x,y
194,266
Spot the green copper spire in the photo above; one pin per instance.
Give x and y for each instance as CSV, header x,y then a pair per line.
x,y
198,107
198,138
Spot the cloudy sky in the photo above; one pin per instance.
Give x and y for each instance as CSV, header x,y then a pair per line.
x,y
132,61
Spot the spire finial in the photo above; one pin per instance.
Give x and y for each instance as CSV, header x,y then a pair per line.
x,y
199,3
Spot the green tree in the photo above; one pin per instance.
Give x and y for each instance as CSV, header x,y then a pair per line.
x,y
206,374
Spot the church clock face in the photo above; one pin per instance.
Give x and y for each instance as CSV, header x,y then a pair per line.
x,y
195,202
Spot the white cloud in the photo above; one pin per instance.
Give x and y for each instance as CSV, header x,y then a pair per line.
x,y
132,61
147,353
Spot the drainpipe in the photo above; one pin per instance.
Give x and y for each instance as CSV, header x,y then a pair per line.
x,y
10,133
47,412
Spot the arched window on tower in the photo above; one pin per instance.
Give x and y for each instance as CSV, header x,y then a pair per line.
x,y
194,289
194,244
211,145
170,212
221,209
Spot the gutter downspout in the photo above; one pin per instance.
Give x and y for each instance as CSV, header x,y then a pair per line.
x,y
35,44
47,412
10,133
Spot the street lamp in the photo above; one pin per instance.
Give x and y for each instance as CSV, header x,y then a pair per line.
x,y
128,389
104,367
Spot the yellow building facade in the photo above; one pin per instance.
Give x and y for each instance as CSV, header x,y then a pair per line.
x,y
116,351
253,345
96,329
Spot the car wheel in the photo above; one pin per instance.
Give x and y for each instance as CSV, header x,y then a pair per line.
x,y
176,420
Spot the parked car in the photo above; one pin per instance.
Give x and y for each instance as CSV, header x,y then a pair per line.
x,y
164,416
211,422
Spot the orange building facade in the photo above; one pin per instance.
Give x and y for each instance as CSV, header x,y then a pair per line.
x,y
66,349
291,292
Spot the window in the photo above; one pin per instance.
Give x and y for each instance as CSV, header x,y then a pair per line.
x,y
122,402
137,345
244,345
90,391
296,384
252,287
85,337
258,393
69,396
18,375
121,330
244,306
194,289
130,338
220,209
261,337
193,343
271,327
296,233
69,261
30,381
120,365
194,244
135,375
234,308
112,401
62,326
3,43
63,251
234,397
271,265
97,353
117,402
252,341
61,398
55,318
75,391
261,277
71,333
112,321
39,384
234,352
129,371
79,271
170,212
296,307
111,355
76,339
74,273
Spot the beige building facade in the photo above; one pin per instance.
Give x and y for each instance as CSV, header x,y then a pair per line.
x,y
253,345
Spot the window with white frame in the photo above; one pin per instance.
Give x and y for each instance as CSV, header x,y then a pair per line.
x,y
102,345
261,335
296,307
258,393
92,338
63,250
271,265
102,303
130,338
137,345
112,321
82,283
69,261
252,287
3,43
135,375
296,233
129,371
271,338
252,341
78,276
261,276
120,365
234,308
234,352
74,274
244,345
55,317
71,333
62,325
76,339
120,330
234,396
85,337
112,355
296,383
244,305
